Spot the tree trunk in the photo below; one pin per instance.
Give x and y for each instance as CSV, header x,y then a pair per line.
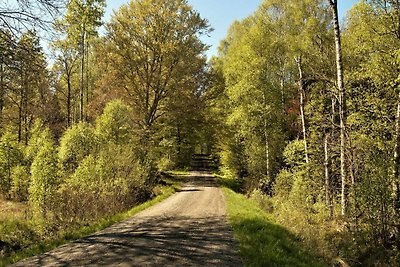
x,y
20,106
396,152
283,95
25,114
20,119
267,149
266,140
342,107
396,160
332,160
82,74
87,78
328,187
2,89
282,84
302,96
178,139
68,100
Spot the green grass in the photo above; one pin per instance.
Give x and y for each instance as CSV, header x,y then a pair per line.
x,y
71,235
234,184
261,241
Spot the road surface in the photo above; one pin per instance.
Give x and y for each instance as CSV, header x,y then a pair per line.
x,y
187,229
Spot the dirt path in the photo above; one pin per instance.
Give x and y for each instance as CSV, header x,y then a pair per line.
x,y
187,229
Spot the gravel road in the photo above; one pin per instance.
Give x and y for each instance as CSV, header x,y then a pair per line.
x,y
187,229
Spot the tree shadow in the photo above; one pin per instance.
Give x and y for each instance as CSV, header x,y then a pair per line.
x,y
270,244
162,241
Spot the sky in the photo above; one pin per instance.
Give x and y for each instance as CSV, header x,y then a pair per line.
x,y
222,13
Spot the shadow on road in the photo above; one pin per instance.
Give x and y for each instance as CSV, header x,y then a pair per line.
x,y
187,229
156,241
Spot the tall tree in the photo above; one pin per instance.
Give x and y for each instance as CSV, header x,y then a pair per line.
x,y
82,20
6,57
155,42
66,63
342,105
31,88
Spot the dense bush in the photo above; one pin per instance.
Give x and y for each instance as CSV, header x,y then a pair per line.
x,y
35,141
20,183
102,185
115,124
16,234
76,143
10,156
94,172
104,180
45,179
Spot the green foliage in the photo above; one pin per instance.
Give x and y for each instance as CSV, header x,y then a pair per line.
x,y
283,184
293,154
20,183
302,195
232,182
165,164
83,17
262,242
85,178
115,125
35,141
15,234
166,96
262,200
10,156
45,179
372,210
23,235
233,157
76,144
109,182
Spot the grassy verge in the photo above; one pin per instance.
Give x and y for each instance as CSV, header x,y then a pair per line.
x,y
235,185
262,242
173,183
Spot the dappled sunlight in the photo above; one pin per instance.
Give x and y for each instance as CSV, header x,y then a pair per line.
x,y
150,241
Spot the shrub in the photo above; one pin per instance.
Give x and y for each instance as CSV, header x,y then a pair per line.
x,y
102,185
35,141
44,172
115,125
76,143
15,234
283,184
85,176
233,158
294,153
20,183
262,200
10,156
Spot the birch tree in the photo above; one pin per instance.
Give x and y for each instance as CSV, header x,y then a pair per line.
x,y
342,106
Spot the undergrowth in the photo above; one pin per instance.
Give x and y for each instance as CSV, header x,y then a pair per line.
x,y
24,239
262,241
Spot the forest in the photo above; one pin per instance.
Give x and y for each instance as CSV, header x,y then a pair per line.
x,y
300,108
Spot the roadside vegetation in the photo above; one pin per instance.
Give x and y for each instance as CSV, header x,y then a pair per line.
x,y
261,240
303,110
26,241
96,132
308,120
